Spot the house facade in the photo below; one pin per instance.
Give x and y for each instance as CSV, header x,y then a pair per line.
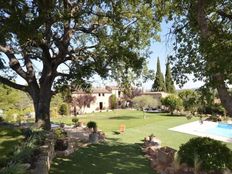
x,y
101,101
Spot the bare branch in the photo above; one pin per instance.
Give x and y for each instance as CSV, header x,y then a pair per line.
x,y
88,30
30,68
4,49
13,85
13,62
62,74
223,14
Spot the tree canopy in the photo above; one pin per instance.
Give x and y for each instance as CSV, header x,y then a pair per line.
x,y
173,102
202,31
51,44
190,100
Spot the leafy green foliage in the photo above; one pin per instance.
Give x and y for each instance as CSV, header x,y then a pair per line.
x,y
89,37
60,133
75,120
190,100
92,124
63,110
158,84
26,152
13,101
14,168
113,102
56,101
169,84
195,53
202,44
213,155
173,102
145,101
1,119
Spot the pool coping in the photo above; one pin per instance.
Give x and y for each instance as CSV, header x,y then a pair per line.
x,y
191,128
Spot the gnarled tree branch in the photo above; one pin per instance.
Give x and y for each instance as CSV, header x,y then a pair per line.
x,y
13,85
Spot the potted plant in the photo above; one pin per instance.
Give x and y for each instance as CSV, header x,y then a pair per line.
x,y
93,136
75,121
61,139
92,125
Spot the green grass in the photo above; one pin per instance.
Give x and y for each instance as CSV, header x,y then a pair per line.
x,y
121,153
9,138
108,158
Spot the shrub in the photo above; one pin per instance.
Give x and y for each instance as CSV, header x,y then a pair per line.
x,y
92,124
113,102
173,102
23,154
1,119
213,155
61,143
27,133
53,112
190,100
75,120
60,133
14,168
212,109
144,101
63,110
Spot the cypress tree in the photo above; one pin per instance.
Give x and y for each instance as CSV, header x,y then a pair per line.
x,y
159,79
169,84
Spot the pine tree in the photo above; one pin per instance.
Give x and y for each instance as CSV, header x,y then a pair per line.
x,y
169,84
159,79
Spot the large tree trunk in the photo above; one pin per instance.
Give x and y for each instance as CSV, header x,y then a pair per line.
x,y
41,103
223,93
41,100
226,99
218,78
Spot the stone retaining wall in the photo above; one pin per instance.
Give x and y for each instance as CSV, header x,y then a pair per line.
x,y
77,137
44,160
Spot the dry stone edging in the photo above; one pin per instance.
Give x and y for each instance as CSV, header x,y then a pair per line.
x,y
77,138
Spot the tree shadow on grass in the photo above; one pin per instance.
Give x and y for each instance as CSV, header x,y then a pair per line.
x,y
123,118
174,115
9,138
106,158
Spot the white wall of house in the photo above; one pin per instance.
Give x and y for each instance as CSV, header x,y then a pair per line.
x,y
101,102
102,97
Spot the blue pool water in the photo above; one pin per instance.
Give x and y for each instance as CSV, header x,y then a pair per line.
x,y
222,129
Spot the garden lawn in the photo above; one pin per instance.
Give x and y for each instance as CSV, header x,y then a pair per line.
x,y
121,153
9,138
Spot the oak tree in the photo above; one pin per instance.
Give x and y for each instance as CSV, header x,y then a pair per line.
x,y
55,43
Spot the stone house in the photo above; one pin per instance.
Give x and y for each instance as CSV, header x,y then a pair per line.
x,y
102,99
156,95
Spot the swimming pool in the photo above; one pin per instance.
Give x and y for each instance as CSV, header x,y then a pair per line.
x,y
218,131
221,129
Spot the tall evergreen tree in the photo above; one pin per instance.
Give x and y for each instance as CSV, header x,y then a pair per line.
x,y
159,79
169,84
